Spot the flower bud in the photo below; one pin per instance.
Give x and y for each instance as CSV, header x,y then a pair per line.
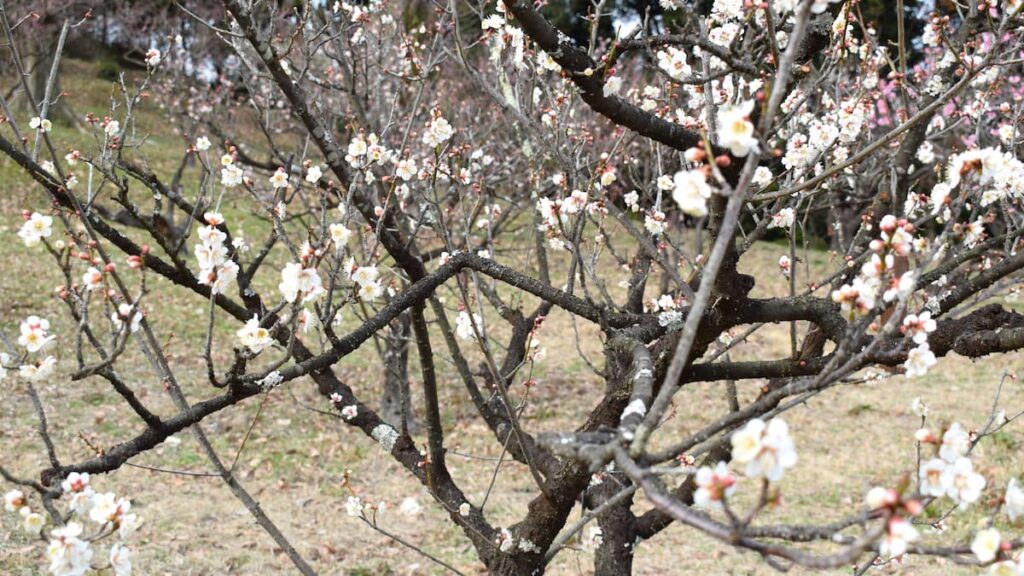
x,y
695,155
925,436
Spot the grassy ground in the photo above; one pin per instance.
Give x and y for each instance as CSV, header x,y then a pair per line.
x,y
295,460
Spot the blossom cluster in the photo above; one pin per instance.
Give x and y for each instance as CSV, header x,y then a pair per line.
x,y
367,280
464,324
34,336
35,228
93,518
216,270
1000,175
880,281
949,474
760,450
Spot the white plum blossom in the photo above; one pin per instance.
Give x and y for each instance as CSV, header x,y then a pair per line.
x,y
673,61
782,219
297,281
33,333
215,270
75,482
108,508
279,179
14,500
340,234
973,232
930,476
370,291
690,191
253,336
492,22
763,177
899,534
92,279
121,559
735,131
961,483
406,169
919,360
41,124
35,229
67,553
464,325
725,10
764,450
306,320
799,154
858,297
654,222
231,176
33,523
354,506
152,57
202,144
575,203
128,526
986,545
38,371
438,132
1014,500
713,485
81,502
608,177
613,86
365,274
357,147
632,200
955,443
314,174
365,277
939,196
879,497
665,182
785,265
919,326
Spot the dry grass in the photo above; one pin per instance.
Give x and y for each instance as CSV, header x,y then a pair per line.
x,y
848,439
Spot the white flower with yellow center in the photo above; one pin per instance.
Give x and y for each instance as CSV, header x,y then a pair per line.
x,y
279,179
735,131
986,545
690,190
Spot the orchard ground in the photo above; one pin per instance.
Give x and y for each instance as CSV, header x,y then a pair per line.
x,y
294,461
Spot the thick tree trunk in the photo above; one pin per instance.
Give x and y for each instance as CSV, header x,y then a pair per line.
x,y
618,529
